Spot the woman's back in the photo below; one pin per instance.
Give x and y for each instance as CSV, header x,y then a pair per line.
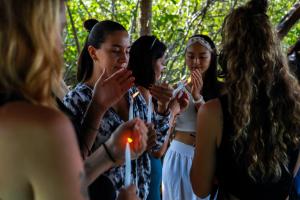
x,y
39,155
232,175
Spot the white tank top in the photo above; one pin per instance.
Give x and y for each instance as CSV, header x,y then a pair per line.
x,y
186,121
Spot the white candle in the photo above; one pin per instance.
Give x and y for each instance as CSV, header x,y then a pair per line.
x,y
127,165
130,117
180,87
149,113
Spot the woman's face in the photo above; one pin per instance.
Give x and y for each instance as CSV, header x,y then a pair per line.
x,y
197,57
113,54
159,67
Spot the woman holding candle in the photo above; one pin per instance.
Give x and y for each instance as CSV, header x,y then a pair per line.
x,y
146,61
249,138
106,51
201,60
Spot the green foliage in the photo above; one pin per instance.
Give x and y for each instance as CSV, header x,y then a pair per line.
x,y
173,22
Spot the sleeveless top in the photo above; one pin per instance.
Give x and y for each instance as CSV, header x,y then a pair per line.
x,y
6,98
233,177
186,121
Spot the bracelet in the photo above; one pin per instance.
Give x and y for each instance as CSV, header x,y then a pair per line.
x,y
108,153
200,100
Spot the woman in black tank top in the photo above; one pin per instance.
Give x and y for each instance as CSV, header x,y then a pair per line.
x,y
249,139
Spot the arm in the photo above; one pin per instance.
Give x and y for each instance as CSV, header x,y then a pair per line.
x,y
209,126
53,162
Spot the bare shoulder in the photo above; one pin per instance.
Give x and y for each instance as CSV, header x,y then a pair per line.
x,y
24,120
211,115
211,108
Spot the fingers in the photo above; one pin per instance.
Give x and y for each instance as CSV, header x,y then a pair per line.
x,y
197,79
162,92
140,134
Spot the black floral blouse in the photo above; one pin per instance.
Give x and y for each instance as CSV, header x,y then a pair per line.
x,y
77,101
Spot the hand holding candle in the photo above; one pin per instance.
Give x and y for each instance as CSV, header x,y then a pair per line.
x,y
135,129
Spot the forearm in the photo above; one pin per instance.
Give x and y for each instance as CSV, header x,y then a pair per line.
x,y
96,164
90,125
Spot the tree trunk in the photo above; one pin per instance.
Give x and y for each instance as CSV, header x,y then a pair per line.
x,y
288,21
146,17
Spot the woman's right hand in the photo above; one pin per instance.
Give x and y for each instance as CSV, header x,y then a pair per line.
x,y
128,193
109,90
180,103
135,129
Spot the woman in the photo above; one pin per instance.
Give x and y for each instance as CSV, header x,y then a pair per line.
x,y
37,142
146,62
201,60
249,138
106,51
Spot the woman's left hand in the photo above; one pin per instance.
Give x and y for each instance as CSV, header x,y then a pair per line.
x,y
163,93
197,84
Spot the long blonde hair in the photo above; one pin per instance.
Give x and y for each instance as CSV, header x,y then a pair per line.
x,y
263,96
30,60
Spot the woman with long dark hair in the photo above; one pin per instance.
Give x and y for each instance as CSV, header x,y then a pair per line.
x,y
249,138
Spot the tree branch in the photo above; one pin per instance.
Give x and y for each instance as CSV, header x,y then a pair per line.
x,y
74,31
288,21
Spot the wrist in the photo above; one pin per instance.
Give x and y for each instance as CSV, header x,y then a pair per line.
x,y
199,100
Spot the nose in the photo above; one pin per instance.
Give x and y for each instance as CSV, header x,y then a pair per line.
x,y
197,61
124,58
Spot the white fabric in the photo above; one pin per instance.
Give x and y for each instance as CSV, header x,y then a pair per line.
x,y
176,173
186,121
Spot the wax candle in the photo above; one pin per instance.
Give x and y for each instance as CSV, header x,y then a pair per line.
x,y
128,163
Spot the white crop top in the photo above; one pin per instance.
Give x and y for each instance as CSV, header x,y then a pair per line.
x,y
186,121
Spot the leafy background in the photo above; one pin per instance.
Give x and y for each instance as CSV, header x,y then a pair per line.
x,y
173,21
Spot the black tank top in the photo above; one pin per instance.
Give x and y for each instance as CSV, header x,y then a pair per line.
x,y
233,177
6,98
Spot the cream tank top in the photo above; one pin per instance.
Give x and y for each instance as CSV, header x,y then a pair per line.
x,y
186,121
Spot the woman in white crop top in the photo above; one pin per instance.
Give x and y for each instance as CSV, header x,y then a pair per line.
x,y
201,60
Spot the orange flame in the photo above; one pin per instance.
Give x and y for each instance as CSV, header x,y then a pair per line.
x,y
129,140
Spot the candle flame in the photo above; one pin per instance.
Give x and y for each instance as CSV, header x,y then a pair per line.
x,y
129,140
189,80
135,94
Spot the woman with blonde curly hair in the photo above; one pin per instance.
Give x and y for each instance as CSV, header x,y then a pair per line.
x,y
249,138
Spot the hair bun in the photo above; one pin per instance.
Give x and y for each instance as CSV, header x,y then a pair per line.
x,y
259,6
89,24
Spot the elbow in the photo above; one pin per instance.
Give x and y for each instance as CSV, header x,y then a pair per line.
x,y
200,187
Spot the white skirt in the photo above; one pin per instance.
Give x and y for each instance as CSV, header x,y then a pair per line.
x,y
176,173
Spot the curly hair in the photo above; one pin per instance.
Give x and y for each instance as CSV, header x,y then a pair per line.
x,y
263,95
30,64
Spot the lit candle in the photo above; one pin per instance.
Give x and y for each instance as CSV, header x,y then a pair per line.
x,y
149,113
131,98
127,163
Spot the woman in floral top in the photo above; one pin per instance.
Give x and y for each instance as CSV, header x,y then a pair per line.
x,y
107,52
